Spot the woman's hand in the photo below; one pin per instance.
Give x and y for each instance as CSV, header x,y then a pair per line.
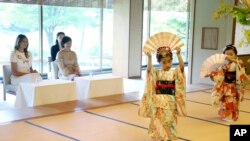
x,y
34,71
14,70
77,72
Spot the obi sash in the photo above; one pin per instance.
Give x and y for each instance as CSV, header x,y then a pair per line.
x,y
165,87
230,77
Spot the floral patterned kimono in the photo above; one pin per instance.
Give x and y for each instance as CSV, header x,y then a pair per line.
x,y
163,100
228,90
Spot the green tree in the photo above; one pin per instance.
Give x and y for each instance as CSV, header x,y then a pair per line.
x,y
19,18
179,25
25,18
54,16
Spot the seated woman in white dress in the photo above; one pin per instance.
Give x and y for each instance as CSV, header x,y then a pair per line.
x,y
67,61
21,63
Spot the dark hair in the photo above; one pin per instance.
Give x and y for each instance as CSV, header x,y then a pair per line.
x,y
65,39
159,55
19,39
230,47
58,34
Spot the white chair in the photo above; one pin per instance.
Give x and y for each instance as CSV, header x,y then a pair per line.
x,y
7,87
55,70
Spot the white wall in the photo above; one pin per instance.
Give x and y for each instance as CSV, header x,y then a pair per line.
x,y
121,37
135,38
128,33
202,17
127,40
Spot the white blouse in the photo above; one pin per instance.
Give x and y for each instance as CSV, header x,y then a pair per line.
x,y
23,63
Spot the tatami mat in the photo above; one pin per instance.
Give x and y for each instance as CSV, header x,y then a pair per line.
x,y
205,98
188,128
202,120
22,131
89,127
122,123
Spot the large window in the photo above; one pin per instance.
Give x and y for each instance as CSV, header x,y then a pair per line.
x,y
19,19
82,25
89,25
169,16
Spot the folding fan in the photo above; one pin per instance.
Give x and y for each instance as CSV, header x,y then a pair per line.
x,y
162,39
212,63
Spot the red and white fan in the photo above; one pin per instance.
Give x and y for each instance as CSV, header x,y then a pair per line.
x,y
212,63
162,39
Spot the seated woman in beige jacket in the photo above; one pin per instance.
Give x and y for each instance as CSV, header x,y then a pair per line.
x,y
67,61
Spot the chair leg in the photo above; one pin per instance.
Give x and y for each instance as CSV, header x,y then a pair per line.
x,y
4,95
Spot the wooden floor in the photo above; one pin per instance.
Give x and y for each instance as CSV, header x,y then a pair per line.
x,y
114,118
13,114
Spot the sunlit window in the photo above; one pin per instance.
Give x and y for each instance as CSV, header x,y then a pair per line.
x,y
82,25
166,16
89,24
19,19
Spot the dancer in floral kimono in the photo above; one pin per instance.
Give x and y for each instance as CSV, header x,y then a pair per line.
x,y
229,85
164,97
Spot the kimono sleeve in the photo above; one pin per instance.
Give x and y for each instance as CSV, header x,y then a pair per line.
x,y
145,107
240,72
180,95
217,91
241,78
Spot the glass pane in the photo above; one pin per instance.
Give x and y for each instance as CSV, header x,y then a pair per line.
x,y
170,16
19,19
82,25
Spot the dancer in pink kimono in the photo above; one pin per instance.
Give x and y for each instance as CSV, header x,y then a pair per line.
x,y
229,85
164,96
